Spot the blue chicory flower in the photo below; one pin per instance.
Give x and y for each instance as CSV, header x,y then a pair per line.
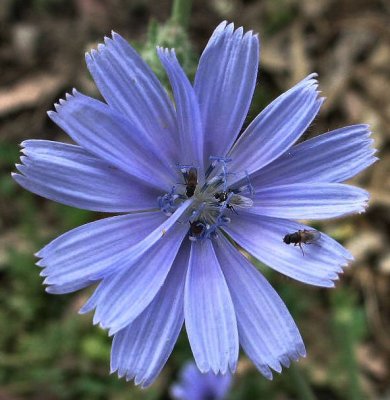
x,y
187,185
193,385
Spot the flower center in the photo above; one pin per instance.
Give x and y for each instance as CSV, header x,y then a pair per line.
x,y
213,201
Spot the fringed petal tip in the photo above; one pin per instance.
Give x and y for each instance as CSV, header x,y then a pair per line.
x,y
205,368
39,253
311,84
83,311
340,271
166,52
62,102
282,361
49,290
101,47
232,367
335,277
15,175
311,79
226,28
22,145
370,141
139,378
242,36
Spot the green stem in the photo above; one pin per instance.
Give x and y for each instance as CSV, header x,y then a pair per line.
x,y
302,388
181,11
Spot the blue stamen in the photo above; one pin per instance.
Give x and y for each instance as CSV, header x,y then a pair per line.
x,y
211,231
224,161
167,202
249,185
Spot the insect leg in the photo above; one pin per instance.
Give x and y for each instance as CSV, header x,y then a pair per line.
x,y
300,245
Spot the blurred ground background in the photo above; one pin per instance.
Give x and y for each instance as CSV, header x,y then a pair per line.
x,y
47,351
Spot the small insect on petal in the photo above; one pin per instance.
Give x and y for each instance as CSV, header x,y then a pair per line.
x,y
191,180
304,236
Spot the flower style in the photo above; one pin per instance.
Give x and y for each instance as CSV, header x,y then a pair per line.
x,y
194,385
189,186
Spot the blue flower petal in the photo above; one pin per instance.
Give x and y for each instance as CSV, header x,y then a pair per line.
x,y
331,157
131,88
72,176
309,201
266,329
277,127
187,109
94,250
124,259
194,385
110,136
224,85
68,287
121,297
209,313
140,350
263,238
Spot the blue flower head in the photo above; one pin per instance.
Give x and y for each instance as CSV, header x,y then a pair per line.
x,y
194,385
186,186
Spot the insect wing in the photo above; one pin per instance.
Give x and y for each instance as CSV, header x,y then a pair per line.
x,y
192,176
311,236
